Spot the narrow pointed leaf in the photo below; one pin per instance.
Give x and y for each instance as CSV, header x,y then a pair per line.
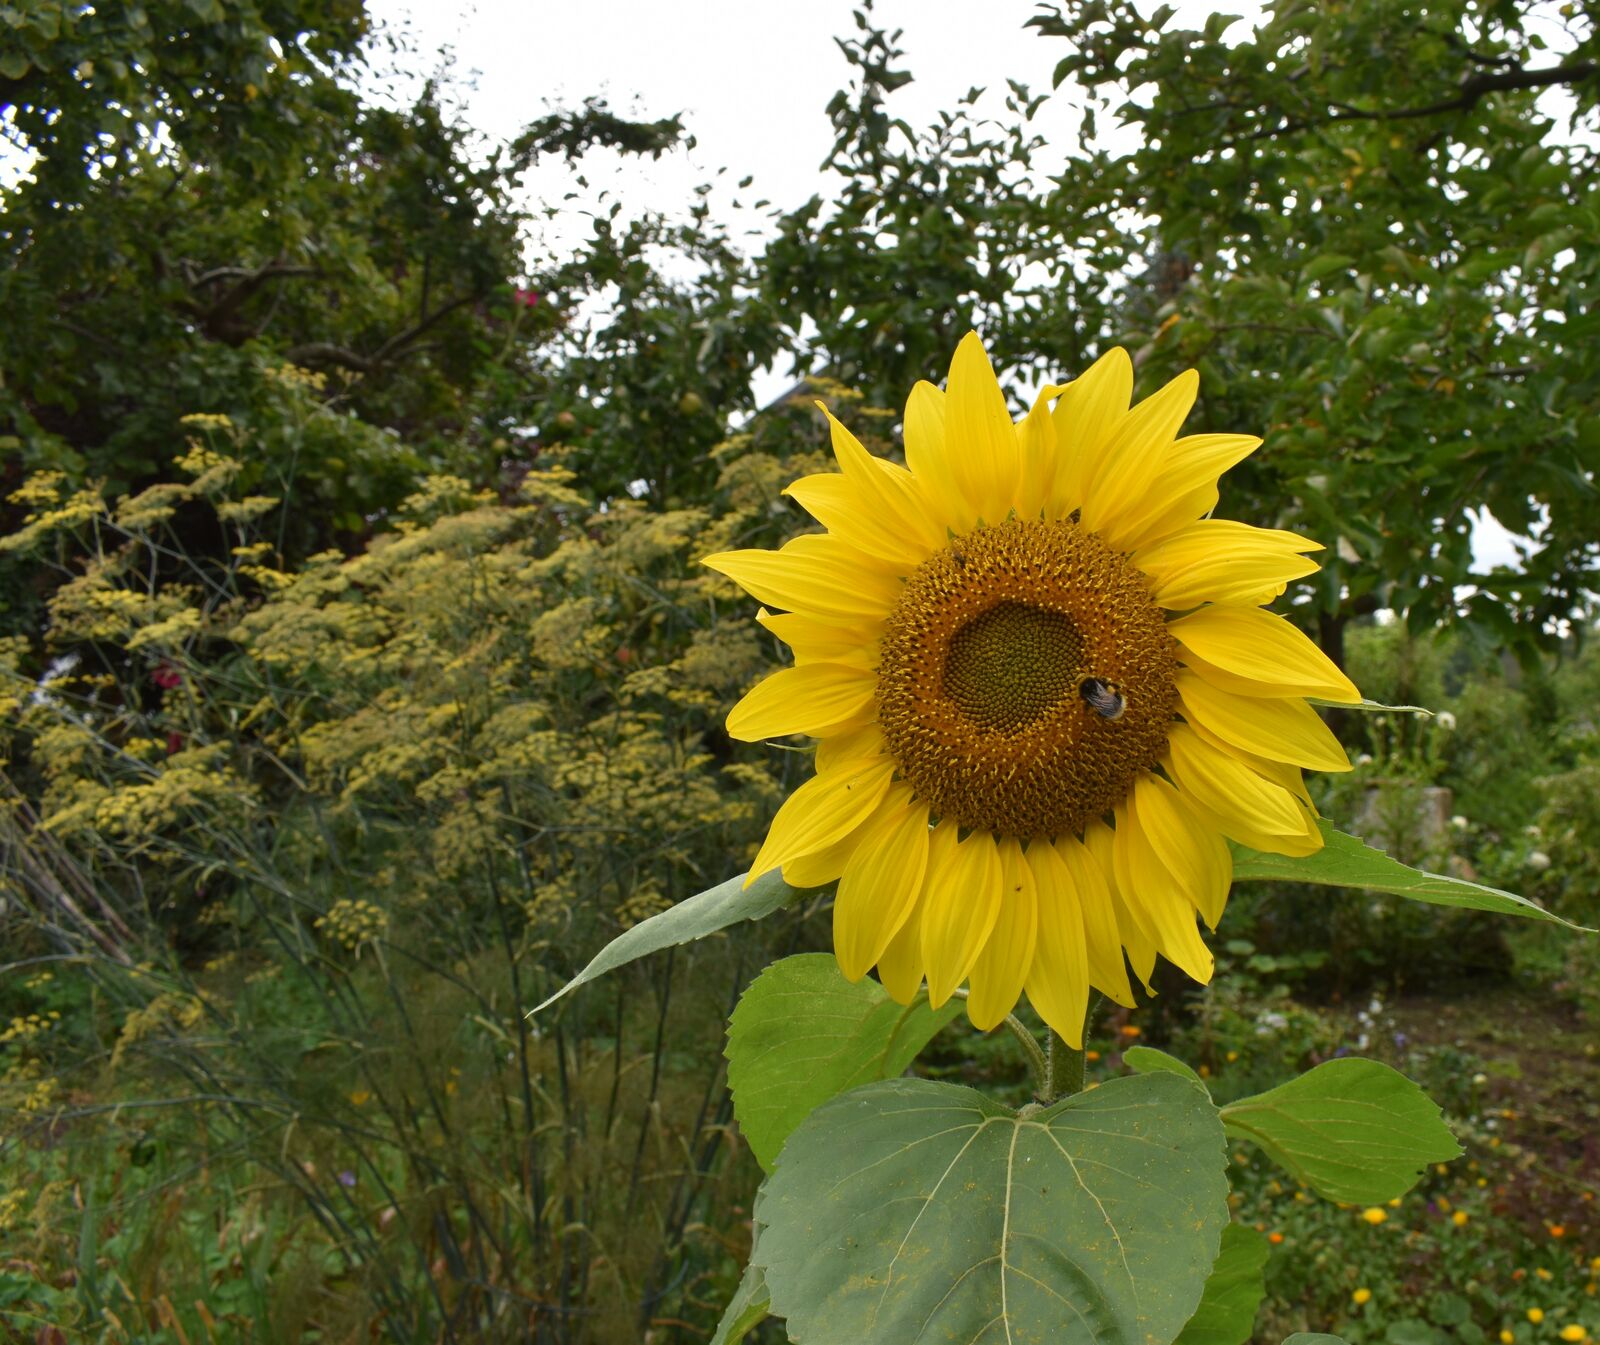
x,y
692,918
802,1034
1352,1130
1348,861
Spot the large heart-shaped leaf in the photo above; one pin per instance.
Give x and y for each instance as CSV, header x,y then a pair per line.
x,y
692,918
1233,1292
1350,1129
909,1212
1347,861
802,1034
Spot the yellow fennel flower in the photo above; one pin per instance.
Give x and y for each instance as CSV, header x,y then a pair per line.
x,y
1045,692
1375,1216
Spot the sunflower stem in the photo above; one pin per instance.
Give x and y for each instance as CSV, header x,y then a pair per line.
x,y
1030,1044
1064,1070
1063,1067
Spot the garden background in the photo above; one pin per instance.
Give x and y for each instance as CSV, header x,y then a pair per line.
x,y
357,681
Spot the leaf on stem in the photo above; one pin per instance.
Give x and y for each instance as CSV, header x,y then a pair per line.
x,y
1233,1292
1352,1130
1347,861
802,1034
692,918
746,1310
911,1210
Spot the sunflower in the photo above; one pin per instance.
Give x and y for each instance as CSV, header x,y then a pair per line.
x,y
1044,692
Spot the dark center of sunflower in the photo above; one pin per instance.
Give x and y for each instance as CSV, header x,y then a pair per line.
x,y
1012,665
1026,678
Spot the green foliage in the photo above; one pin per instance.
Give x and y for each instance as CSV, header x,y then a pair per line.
x,y
1399,256
1351,1129
802,1034
746,1310
1344,861
1233,1291
692,918
906,1206
361,683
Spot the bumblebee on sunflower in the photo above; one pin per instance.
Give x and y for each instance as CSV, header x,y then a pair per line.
x,y
1044,690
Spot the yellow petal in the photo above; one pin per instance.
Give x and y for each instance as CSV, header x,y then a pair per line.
x,y
814,641
826,809
887,484
1121,476
1036,445
851,747
1264,654
1152,896
874,506
1003,967
1087,412
815,574
1306,841
900,968
1280,773
980,440
1092,882
1194,854
815,699
929,460
1100,843
881,883
1220,560
1280,730
1058,984
959,907
1228,788
821,867
1183,490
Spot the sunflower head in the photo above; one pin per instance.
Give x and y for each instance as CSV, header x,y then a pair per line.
x,y
1045,691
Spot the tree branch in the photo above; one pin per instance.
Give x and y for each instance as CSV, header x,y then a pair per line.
x,y
401,343
1472,90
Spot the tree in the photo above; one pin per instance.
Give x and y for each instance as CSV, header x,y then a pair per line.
x,y
211,201
1398,280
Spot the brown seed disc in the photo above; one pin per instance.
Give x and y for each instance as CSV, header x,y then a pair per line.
x,y
1026,679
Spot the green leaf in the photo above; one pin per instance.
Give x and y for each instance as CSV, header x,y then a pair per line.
x,y
1313,1338
1326,265
1347,861
14,64
1372,707
746,1310
1148,1060
911,1210
1233,1292
802,1034
1352,1130
692,918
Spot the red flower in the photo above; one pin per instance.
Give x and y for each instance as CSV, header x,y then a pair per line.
x,y
166,677
527,298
